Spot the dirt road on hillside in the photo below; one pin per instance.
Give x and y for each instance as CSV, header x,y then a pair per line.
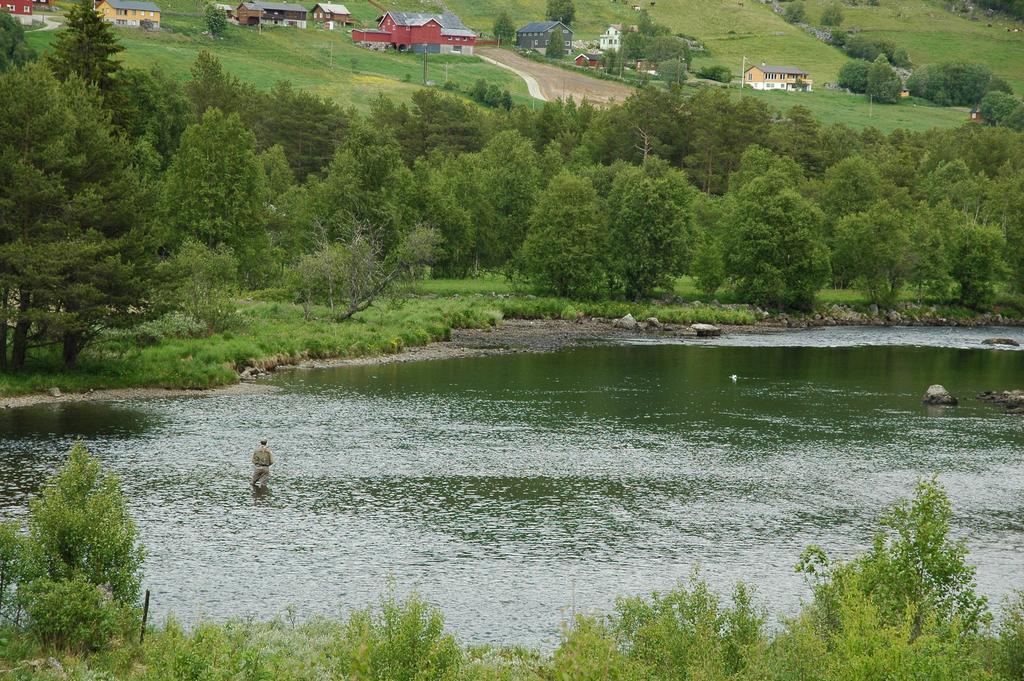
x,y
551,82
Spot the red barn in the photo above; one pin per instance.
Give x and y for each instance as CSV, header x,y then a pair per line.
x,y
590,61
20,9
417,32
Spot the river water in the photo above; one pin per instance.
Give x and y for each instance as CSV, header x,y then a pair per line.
x,y
511,489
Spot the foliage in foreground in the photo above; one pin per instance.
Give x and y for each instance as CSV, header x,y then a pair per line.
x,y
72,581
906,609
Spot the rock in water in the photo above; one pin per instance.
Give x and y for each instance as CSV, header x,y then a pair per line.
x,y
1001,341
706,330
939,396
627,322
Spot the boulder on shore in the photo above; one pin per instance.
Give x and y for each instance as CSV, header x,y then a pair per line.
x,y
628,322
938,396
1001,341
706,330
54,392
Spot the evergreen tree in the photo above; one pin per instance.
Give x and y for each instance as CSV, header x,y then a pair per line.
x,y
556,44
210,86
504,29
86,48
14,51
75,255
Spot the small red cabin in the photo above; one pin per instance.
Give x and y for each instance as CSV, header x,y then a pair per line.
x,y
590,61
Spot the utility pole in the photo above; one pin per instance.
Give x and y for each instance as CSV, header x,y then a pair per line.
x,y
424,64
743,71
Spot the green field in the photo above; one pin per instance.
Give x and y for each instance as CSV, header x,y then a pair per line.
x,y
328,63
932,34
325,62
831,106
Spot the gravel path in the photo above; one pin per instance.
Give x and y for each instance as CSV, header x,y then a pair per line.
x,y
551,82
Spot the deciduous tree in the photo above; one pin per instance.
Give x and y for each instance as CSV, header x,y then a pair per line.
x,y
562,10
884,83
775,250
648,218
504,29
216,20
565,251
555,48
215,190
832,15
874,248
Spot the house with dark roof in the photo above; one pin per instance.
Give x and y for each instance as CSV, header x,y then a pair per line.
x,y
331,16
536,36
270,13
129,13
766,77
418,32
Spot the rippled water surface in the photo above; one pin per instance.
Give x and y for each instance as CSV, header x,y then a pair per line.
x,y
507,488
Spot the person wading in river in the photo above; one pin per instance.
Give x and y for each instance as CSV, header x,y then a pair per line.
x,y
262,460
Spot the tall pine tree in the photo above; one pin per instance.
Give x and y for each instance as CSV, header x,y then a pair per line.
x,y
74,252
86,48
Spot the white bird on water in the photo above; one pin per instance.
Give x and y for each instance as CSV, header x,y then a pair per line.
x,y
734,377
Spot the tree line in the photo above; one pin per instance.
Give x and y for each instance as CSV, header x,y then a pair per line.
x,y
124,192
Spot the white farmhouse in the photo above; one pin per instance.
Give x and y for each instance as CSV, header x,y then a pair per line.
x,y
611,39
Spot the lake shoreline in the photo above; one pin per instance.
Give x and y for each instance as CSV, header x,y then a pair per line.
x,y
508,337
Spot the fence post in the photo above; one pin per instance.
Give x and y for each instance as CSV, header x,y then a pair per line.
x,y
145,617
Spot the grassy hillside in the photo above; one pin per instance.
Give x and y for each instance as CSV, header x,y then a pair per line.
x,y
327,62
932,34
830,106
322,61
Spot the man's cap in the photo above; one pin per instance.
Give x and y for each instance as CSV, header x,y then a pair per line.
x,y
263,442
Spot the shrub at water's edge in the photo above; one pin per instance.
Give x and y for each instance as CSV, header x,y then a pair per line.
x,y
907,608
72,582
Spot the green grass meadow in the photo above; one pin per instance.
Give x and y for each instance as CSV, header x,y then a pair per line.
x,y
856,111
325,62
